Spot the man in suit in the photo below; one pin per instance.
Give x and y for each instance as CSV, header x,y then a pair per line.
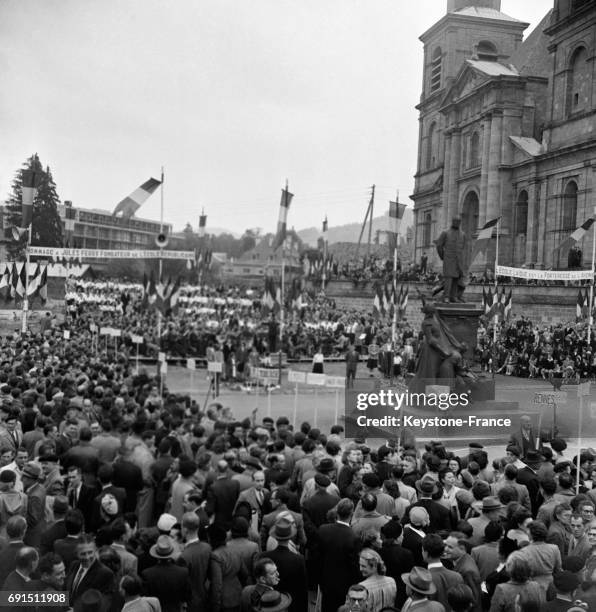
x,y
397,559
222,496
525,438
15,531
463,564
67,546
19,579
258,498
579,545
88,572
433,548
439,515
279,503
526,475
415,532
57,530
338,554
486,556
314,509
11,435
291,567
128,561
36,503
491,508
169,582
67,439
195,556
80,496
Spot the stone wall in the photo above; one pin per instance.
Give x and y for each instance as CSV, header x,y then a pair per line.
x,y
543,305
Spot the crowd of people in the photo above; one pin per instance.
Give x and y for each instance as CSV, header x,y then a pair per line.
x,y
116,497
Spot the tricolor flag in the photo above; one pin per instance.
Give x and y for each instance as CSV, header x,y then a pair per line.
x,y
272,295
576,236
151,289
582,305
491,302
28,193
507,305
484,237
34,279
325,224
202,225
402,302
5,276
379,302
284,205
396,213
129,206
43,285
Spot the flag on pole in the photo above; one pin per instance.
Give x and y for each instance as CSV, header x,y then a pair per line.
x,y
325,224
508,304
576,236
202,225
21,279
43,285
28,193
484,237
491,302
129,206
402,303
396,213
379,302
34,281
284,205
582,305
5,276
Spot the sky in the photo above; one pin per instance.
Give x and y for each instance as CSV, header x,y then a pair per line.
x,y
232,98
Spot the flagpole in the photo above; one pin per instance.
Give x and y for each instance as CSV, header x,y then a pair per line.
x,y
591,303
283,286
159,281
496,315
26,297
324,253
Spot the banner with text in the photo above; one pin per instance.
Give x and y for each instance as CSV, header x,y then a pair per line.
x,y
59,254
565,275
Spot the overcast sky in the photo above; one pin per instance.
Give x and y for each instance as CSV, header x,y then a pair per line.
x,y
231,97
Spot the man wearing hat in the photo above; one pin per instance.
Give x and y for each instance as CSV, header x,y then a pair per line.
x,y
291,566
274,601
419,585
415,532
326,467
439,515
371,483
166,580
491,508
527,476
36,503
279,503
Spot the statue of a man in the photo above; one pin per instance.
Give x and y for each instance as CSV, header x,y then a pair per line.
x,y
452,248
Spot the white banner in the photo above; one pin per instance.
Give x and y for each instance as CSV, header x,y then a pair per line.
x,y
569,275
294,376
214,366
335,381
316,379
265,373
56,253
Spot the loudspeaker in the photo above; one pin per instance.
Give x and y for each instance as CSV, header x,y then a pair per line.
x,y
161,240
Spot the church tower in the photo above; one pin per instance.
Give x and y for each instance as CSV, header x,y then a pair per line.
x,y
470,29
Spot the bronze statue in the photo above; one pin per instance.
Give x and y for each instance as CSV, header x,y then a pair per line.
x,y
452,248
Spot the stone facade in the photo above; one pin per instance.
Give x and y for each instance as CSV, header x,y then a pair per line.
x,y
508,129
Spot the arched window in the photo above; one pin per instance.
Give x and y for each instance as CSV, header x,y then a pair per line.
x,y
430,146
486,51
426,227
521,213
578,83
570,207
435,70
475,150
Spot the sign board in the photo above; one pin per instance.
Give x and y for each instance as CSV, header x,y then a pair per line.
x,y
136,339
191,364
583,389
104,331
66,334
316,379
115,333
551,397
335,381
267,373
214,366
161,357
296,377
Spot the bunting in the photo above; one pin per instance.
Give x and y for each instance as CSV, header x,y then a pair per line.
x,y
484,237
576,236
284,205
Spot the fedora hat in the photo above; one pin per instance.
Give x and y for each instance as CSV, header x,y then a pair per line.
x,y
283,530
32,470
326,465
420,580
491,503
533,456
163,548
274,601
427,485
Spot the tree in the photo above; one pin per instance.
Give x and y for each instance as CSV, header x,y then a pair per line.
x,y
46,228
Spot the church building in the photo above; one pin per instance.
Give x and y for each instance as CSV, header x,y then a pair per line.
x,y
508,129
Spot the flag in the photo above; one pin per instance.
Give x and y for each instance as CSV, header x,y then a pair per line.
x,y
576,236
402,303
5,276
202,225
34,279
490,302
284,205
17,233
379,302
129,206
582,305
271,295
28,193
388,300
484,237
396,213
325,224
151,290
43,285
507,306
173,295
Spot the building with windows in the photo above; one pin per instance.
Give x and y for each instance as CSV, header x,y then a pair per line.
x,y
507,128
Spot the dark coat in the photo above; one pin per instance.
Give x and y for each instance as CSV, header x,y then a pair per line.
x,y
314,511
451,247
292,576
195,557
50,535
7,559
339,564
527,476
221,500
129,477
36,513
444,579
168,582
84,503
413,542
398,560
67,548
97,577
439,515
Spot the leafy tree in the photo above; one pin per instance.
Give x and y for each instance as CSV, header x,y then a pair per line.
x,y
47,225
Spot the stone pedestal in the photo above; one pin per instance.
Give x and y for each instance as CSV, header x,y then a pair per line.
x,y
462,320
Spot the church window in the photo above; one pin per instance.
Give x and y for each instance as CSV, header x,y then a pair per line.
x,y
475,150
435,70
570,207
487,52
579,81
426,227
431,145
521,213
